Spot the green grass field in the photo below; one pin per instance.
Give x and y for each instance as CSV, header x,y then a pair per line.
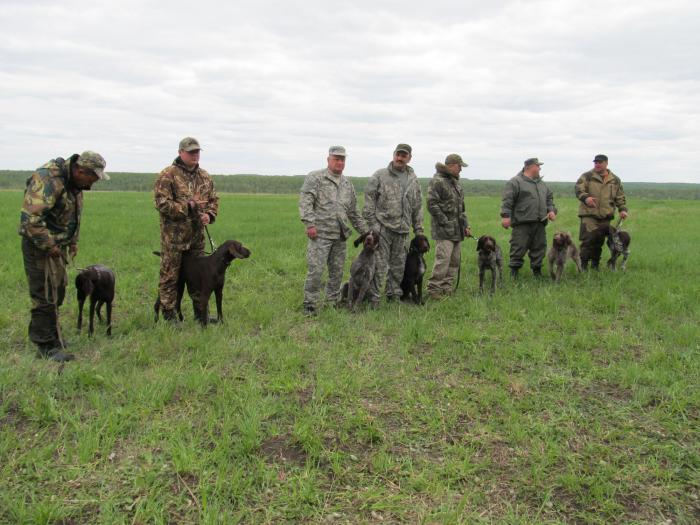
x,y
569,403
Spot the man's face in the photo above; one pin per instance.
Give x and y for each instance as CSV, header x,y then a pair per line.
x,y
336,163
190,158
532,171
454,169
83,178
599,166
401,160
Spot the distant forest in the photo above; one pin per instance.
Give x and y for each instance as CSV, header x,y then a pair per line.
x,y
10,179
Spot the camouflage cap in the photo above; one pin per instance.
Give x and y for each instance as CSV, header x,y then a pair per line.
x,y
533,160
453,158
189,144
403,147
94,162
600,157
337,151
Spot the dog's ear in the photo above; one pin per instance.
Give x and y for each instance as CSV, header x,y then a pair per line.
x,y
360,239
480,243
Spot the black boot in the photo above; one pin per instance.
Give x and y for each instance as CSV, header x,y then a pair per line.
x,y
54,352
514,273
595,264
584,264
309,311
170,316
537,272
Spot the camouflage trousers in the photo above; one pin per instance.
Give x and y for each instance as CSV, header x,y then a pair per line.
x,y
592,235
46,299
170,261
447,260
320,253
391,260
529,237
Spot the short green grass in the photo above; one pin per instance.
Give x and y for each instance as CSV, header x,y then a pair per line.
x,y
569,403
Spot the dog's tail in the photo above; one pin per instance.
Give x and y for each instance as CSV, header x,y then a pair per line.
x,y
157,253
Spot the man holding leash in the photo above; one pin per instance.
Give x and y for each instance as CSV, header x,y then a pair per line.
x,y
327,206
49,226
600,192
449,225
527,205
186,201
393,204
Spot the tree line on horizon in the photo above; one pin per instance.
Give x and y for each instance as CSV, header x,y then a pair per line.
x,y
290,184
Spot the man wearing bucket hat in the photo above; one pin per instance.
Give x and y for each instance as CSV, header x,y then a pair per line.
x,y
186,201
527,205
328,207
449,224
393,204
50,226
600,192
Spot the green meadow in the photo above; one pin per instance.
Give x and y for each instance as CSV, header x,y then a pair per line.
x,y
569,403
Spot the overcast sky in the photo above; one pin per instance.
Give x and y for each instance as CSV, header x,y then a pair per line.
x,y
267,86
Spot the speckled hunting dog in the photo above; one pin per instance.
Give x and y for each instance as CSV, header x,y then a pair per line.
x,y
619,244
361,271
490,258
563,248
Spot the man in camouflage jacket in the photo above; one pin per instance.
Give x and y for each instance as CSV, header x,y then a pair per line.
x,y
527,205
327,206
600,192
49,226
393,204
449,224
186,200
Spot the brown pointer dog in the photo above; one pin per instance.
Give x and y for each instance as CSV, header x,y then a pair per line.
x,y
563,248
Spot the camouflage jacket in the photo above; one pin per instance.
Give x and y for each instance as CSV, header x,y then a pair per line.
x,y
175,185
526,200
392,206
51,210
446,206
607,191
329,203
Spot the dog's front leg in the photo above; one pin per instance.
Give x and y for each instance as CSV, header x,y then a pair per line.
x,y
481,279
219,294
81,302
92,317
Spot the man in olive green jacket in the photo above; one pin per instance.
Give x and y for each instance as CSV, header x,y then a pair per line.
x,y
527,205
600,192
449,224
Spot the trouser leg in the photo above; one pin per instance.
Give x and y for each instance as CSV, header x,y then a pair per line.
x,y
397,263
519,242
336,264
170,260
43,324
381,265
317,251
592,236
445,267
538,246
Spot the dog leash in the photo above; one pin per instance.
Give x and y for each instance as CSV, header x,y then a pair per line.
x,y
459,268
211,242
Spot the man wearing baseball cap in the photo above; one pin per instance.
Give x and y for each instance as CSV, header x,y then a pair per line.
x,y
186,202
600,192
527,205
328,208
393,205
49,226
449,224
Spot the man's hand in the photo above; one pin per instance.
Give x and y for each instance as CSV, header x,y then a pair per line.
x,y
591,202
204,217
55,251
623,214
467,232
73,250
505,222
311,232
551,216
192,205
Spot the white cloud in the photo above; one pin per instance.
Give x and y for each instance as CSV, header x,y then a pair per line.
x,y
267,87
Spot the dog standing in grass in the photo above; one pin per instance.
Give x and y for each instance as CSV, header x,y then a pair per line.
x,y
619,244
97,283
490,258
563,248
